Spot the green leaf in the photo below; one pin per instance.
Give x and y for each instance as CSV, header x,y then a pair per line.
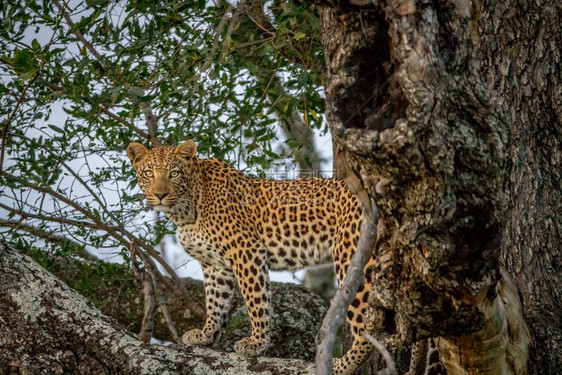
x,y
314,114
96,2
35,45
56,128
300,35
27,75
24,60
136,92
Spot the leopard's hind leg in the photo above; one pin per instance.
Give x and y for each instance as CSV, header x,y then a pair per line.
x,y
361,349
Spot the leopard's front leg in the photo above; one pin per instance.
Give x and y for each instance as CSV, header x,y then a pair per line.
x,y
251,272
219,287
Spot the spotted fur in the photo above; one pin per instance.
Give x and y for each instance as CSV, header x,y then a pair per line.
x,y
425,359
239,227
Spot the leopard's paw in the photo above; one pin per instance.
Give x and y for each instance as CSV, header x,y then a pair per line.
x,y
196,337
249,347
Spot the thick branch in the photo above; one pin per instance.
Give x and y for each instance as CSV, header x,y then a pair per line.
x,y
151,124
47,327
296,317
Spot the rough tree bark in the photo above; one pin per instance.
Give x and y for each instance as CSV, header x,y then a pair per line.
x,y
521,56
111,287
411,113
46,326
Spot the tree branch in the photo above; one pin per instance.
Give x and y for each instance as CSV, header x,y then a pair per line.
x,y
156,292
47,327
121,120
151,119
151,124
78,249
353,279
76,31
122,235
144,283
390,365
254,11
10,118
60,220
8,121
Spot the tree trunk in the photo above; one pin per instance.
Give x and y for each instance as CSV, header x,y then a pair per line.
x,y
47,327
412,116
521,57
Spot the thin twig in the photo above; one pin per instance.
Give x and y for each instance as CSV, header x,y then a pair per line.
x,y
255,42
49,237
114,232
60,220
154,275
218,32
144,283
362,3
390,364
151,131
121,120
8,121
79,35
353,279
254,11
166,312
103,108
198,310
101,225
102,204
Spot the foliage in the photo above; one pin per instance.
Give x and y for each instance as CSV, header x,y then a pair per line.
x,y
104,284
225,75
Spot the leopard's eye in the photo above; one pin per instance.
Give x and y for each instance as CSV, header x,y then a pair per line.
x,y
175,174
148,173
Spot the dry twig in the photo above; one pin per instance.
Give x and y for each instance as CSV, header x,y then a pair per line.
x,y
122,235
155,289
144,283
353,279
390,365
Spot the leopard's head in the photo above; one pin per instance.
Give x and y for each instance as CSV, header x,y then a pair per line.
x,y
166,174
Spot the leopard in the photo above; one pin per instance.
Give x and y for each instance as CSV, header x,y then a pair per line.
x,y
425,358
239,227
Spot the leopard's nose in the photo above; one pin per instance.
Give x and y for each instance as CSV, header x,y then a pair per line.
x,y
160,195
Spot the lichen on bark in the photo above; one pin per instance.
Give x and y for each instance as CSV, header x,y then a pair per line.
x,y
46,327
409,108
296,315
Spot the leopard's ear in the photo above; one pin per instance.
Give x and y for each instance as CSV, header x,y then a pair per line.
x,y
187,150
136,152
